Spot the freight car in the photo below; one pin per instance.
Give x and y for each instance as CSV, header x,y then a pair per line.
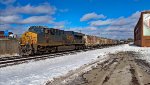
x,y
91,41
39,39
94,41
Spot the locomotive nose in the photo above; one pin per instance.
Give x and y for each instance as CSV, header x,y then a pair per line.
x,y
29,38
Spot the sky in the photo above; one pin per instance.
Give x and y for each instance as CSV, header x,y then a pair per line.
x,y
113,19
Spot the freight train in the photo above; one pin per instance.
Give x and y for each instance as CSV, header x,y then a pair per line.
x,y
40,39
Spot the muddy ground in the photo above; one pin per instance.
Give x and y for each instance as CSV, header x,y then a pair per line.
x,y
122,68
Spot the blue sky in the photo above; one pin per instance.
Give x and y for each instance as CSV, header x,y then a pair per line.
x,y
105,18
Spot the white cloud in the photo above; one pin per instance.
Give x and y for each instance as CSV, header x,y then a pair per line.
x,y
37,19
92,28
35,15
17,29
44,8
41,9
121,21
6,23
4,27
131,20
14,19
7,1
117,28
92,16
122,27
89,30
59,27
101,22
9,19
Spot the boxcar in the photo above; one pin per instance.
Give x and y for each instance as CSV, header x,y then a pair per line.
x,y
90,41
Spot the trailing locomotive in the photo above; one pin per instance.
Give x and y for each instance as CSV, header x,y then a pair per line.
x,y
39,39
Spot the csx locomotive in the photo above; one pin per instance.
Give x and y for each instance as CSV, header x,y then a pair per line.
x,y
39,39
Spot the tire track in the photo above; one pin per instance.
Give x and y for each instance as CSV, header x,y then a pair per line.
x,y
121,68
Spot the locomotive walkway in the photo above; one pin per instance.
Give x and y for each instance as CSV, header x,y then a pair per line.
x,y
122,68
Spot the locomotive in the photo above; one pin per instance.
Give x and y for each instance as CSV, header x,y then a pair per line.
x,y
39,39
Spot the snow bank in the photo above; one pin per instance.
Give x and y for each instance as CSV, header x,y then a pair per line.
x,y
37,73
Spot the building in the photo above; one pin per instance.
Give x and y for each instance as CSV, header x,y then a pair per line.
x,y
4,35
142,30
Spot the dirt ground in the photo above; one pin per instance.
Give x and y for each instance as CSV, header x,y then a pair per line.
x,y
122,68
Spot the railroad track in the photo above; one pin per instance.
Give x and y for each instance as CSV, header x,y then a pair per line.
x,y
9,61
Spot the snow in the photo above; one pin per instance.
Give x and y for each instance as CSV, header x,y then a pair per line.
x,y
37,73
6,55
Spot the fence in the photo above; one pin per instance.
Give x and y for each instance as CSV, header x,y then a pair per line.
x,y
9,47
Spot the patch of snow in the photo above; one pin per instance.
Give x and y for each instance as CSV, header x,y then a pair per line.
x,y
37,73
9,55
144,51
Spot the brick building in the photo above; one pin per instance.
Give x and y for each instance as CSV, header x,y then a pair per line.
x,y
142,30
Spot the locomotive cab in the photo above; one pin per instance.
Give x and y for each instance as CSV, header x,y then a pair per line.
x,y
38,39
